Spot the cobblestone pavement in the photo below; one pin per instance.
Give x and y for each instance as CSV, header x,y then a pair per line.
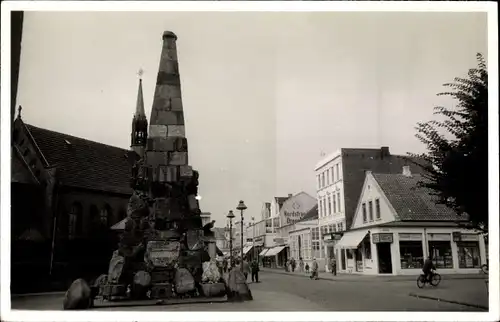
x,y
278,292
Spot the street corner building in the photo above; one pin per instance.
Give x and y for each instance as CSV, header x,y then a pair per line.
x,y
397,224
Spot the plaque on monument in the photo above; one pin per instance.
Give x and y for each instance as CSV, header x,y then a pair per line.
x,y
162,253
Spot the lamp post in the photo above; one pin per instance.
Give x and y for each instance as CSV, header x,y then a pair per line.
x,y
241,207
230,215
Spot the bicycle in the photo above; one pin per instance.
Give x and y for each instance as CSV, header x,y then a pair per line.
x,y
434,281
484,269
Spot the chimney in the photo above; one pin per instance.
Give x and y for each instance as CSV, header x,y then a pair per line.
x,y
406,171
384,152
290,195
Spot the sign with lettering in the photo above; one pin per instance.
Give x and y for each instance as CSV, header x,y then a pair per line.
x,y
382,238
439,236
295,208
469,237
416,236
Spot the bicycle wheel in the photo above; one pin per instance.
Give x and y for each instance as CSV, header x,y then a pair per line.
x,y
436,279
421,281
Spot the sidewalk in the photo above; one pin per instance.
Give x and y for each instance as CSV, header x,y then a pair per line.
x,y
368,278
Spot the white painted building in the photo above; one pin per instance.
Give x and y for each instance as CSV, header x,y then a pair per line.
x,y
398,224
339,179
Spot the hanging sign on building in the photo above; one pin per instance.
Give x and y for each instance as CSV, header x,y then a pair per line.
x,y
415,237
296,207
382,238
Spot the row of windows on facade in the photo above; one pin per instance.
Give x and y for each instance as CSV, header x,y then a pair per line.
x,y
411,254
101,216
326,203
370,210
328,176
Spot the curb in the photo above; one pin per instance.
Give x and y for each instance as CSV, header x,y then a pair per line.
x,y
37,294
448,301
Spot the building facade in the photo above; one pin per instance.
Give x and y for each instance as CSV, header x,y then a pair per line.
x,y
397,224
339,179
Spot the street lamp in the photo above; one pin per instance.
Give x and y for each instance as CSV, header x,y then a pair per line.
x,y
230,215
241,207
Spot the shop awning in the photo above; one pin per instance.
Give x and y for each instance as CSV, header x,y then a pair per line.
x,y
352,239
263,252
246,249
274,251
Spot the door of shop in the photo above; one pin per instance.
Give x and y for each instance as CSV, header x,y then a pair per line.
x,y
384,258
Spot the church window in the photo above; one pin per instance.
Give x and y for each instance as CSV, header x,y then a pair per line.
x,y
75,220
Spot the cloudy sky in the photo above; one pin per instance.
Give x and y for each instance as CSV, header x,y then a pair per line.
x,y
265,94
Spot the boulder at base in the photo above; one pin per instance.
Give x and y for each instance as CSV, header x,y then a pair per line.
x,y
211,272
142,281
238,289
184,281
78,296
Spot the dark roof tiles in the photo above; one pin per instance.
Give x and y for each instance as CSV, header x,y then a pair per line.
x,y
411,201
83,163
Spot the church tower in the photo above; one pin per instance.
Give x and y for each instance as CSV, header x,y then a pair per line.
x,y
139,134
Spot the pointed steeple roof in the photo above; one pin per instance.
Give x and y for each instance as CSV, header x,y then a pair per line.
x,y
139,110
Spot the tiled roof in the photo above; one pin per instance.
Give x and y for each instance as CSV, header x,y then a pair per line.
x,y
311,214
411,201
84,164
355,162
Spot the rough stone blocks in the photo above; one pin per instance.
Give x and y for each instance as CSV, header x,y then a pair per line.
x,y
157,131
157,158
178,158
182,144
193,203
167,92
162,144
176,104
185,171
161,291
166,117
169,66
168,174
176,130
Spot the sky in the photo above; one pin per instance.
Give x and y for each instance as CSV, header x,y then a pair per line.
x,y
265,95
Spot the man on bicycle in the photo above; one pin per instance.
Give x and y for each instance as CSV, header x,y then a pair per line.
x,y
428,268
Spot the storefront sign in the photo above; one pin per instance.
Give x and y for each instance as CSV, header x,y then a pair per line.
x,y
382,238
278,241
293,216
405,236
259,239
469,237
443,237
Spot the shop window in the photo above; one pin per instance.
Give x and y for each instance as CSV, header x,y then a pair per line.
x,y
363,206
349,254
370,209
468,255
411,254
377,208
441,254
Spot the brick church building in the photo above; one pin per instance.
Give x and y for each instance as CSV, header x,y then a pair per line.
x,y
66,192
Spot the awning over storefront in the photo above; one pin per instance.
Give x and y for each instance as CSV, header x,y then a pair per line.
x,y
352,239
246,249
274,251
263,252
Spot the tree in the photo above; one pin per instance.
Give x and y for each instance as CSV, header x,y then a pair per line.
x,y
457,167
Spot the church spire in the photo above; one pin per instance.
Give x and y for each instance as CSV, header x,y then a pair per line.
x,y
139,133
139,111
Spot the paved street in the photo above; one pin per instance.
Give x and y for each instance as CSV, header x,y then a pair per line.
x,y
279,292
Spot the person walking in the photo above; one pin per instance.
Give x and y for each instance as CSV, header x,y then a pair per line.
x,y
307,268
333,266
255,271
224,265
301,265
293,264
286,265
314,269
246,268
